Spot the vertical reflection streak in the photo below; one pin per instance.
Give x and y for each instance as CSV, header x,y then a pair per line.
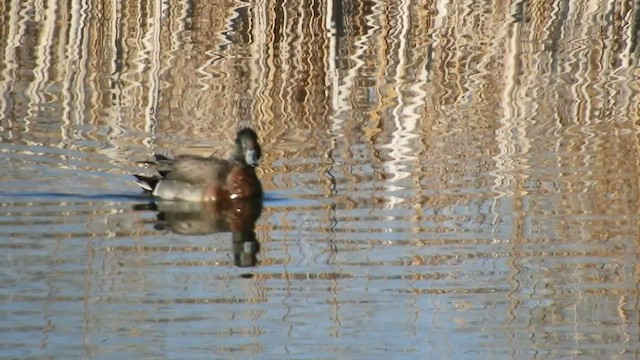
x,y
585,105
102,82
416,102
17,27
152,45
506,144
334,77
42,60
630,82
178,15
14,31
401,137
504,162
335,118
73,58
577,53
285,53
343,90
218,55
623,73
116,63
262,63
82,49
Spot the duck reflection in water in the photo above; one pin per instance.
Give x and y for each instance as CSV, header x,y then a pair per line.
x,y
200,218
201,195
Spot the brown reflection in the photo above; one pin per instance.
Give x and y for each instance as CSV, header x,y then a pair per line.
x,y
190,218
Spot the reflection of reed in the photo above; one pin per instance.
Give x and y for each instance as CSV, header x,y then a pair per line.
x,y
15,29
405,118
429,107
387,75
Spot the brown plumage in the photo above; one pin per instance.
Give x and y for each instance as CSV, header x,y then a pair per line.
x,y
197,178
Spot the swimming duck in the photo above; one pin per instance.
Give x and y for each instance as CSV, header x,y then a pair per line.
x,y
198,178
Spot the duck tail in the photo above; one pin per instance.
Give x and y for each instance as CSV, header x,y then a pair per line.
x,y
157,159
147,183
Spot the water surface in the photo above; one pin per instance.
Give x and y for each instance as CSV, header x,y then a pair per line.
x,y
443,180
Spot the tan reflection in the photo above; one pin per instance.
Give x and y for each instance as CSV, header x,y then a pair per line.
x,y
16,26
405,116
43,49
533,101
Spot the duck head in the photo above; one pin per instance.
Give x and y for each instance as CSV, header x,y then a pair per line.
x,y
247,150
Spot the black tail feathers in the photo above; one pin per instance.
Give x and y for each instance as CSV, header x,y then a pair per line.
x,y
147,183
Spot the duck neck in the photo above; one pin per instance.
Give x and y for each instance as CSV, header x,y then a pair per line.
x,y
237,157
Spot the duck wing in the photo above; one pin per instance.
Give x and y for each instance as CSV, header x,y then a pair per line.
x,y
195,169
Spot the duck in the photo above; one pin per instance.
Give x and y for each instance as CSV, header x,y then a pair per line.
x,y
207,179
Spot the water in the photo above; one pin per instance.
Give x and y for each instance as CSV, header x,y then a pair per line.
x,y
443,180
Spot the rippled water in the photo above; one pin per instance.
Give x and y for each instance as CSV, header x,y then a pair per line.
x,y
443,180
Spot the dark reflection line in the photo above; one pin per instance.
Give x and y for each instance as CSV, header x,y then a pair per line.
x,y
278,22
520,11
54,195
635,33
126,197
241,25
333,218
332,179
337,18
552,29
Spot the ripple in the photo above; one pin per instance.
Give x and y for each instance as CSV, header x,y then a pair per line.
x,y
455,180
